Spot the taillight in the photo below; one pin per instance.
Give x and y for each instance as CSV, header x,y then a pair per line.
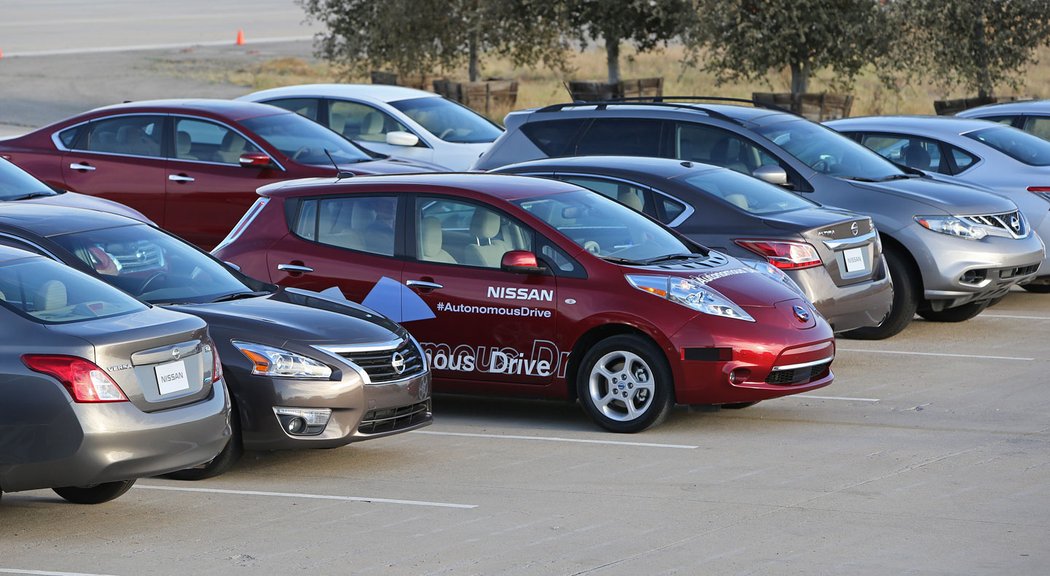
x,y
216,365
85,381
1043,191
784,254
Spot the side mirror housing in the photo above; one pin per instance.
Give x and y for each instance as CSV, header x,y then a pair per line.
x,y
520,262
401,138
255,160
772,174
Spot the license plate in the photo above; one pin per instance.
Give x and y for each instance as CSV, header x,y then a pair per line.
x,y
171,377
854,259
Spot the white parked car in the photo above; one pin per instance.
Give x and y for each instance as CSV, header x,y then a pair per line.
x,y
392,120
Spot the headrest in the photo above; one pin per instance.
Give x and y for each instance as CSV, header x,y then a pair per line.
x,y
484,224
432,236
631,199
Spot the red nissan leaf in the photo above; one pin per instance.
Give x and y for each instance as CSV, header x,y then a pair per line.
x,y
521,286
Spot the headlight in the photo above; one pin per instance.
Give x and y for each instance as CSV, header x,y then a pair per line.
x,y
691,294
767,269
952,226
270,361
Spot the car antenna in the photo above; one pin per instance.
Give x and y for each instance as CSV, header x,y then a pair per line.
x,y
339,172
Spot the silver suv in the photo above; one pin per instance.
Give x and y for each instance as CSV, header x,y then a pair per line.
x,y
950,249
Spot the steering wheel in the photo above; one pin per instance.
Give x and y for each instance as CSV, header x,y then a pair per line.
x,y
446,132
145,285
300,153
592,247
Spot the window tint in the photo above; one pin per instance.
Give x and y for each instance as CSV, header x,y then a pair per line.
x,y
748,194
304,141
962,159
1038,126
912,151
17,183
711,145
621,137
553,138
302,106
68,137
361,122
209,141
135,135
827,151
51,292
363,223
448,120
457,232
672,209
1019,145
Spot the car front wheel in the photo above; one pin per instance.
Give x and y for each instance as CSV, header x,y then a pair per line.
x,y
625,384
96,494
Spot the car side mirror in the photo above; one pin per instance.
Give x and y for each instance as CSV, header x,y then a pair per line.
x,y
772,174
401,138
255,160
520,262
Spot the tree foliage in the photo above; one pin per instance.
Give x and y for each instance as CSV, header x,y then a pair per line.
x,y
418,37
978,44
745,39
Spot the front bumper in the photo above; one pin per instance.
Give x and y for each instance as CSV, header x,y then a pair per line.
x,y
847,307
120,442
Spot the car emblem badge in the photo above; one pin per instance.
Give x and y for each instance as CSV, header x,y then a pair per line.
x,y
801,313
397,362
855,229
176,353
1015,223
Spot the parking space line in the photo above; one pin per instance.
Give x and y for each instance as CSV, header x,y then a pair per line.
x,y
556,439
307,496
1015,316
846,398
45,573
943,354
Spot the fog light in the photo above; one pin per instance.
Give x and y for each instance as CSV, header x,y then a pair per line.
x,y
303,421
739,376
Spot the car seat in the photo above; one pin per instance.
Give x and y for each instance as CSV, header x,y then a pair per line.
x,y
726,153
372,127
486,250
432,240
631,199
133,140
915,156
50,296
183,145
231,148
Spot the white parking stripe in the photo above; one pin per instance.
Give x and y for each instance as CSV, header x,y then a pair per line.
x,y
1014,317
45,573
307,496
555,439
846,398
946,355
139,47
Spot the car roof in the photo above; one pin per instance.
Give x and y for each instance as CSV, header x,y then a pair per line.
x,y
502,186
645,167
734,112
1037,106
230,109
926,124
50,220
372,92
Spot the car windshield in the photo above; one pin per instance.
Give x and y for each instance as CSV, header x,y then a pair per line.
x,y
606,228
17,184
448,120
53,293
154,266
749,194
305,141
829,152
1019,145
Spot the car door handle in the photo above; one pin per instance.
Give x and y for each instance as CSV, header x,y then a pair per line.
x,y
294,268
82,167
424,285
180,178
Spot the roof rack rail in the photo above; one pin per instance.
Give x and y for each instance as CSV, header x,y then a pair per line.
x,y
666,101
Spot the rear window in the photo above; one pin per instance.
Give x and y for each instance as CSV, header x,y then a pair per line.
x,y
746,193
554,138
622,137
1019,145
52,293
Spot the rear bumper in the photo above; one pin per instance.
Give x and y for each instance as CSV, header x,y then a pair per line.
x,y
120,442
847,307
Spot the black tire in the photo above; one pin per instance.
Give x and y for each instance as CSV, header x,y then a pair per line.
x,y
223,461
96,494
957,314
625,384
737,405
907,288
1037,288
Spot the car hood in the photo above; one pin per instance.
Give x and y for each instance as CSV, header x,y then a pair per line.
x,y
947,197
390,166
299,315
75,200
735,280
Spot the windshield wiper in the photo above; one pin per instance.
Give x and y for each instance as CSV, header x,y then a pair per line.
x,y
618,260
669,257
898,177
240,295
32,195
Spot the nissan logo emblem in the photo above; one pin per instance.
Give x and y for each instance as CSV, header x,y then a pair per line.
x,y
801,313
854,228
175,353
397,362
1015,223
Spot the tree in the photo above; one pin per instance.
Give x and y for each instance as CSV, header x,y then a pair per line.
x,y
745,39
644,23
417,37
978,44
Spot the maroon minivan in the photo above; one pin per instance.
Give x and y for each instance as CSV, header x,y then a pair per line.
x,y
532,287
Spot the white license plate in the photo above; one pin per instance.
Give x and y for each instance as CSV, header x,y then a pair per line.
x,y
854,259
171,377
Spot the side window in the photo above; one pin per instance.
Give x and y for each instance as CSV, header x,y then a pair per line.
x,y
553,138
360,122
363,223
622,137
671,209
624,193
1008,120
719,147
68,137
962,160
301,106
1038,126
14,243
458,232
210,142
919,153
134,135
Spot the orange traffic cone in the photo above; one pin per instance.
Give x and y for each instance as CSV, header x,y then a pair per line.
x,y
240,37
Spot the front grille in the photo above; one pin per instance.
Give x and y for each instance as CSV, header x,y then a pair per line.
x,y
137,256
394,419
379,364
798,375
1010,224
1006,273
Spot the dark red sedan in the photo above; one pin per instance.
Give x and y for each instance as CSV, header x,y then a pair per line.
x,y
191,166
533,287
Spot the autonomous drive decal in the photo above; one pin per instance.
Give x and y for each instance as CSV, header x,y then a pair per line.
x,y
520,311
545,359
